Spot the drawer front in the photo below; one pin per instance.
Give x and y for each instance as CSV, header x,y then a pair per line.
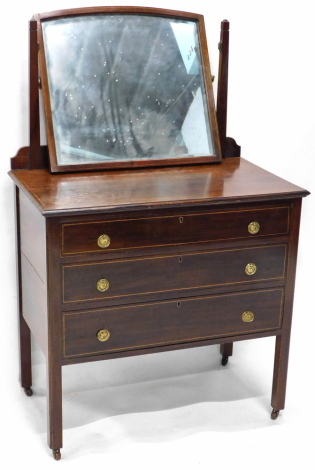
x,y
172,230
149,325
143,276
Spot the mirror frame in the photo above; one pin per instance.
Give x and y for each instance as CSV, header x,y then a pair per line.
x,y
55,166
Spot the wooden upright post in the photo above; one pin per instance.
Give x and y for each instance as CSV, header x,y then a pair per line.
x,y
229,147
34,152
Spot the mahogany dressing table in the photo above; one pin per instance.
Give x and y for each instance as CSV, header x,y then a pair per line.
x,y
121,262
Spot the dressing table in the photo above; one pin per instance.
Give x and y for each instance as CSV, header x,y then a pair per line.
x,y
156,250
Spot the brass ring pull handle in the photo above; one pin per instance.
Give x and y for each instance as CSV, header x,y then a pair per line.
x,y
253,227
103,241
102,285
250,269
103,335
248,316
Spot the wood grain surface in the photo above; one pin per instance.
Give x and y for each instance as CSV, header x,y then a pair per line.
x,y
233,180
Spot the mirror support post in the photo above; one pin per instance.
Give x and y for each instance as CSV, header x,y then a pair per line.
x,y
34,151
229,147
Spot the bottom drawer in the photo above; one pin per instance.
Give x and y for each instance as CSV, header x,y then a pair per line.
x,y
138,326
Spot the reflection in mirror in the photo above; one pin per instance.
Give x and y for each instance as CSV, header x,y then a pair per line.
x,y
125,87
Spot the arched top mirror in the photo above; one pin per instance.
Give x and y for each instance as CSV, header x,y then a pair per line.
x,y
126,87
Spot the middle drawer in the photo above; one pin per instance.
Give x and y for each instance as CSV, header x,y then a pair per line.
x,y
143,276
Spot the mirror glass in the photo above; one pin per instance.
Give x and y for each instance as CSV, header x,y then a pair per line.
x,y
125,87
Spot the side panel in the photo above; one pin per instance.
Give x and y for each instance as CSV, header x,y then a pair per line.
x,y
33,235
34,276
34,302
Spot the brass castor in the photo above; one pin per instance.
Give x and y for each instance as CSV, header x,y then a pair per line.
x,y
224,360
57,454
275,414
28,391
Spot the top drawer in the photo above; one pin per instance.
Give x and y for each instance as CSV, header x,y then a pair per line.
x,y
109,235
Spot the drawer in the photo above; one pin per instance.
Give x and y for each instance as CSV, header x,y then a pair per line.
x,y
161,323
140,276
125,234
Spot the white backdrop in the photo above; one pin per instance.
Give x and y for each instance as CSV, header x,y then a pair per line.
x,y
180,409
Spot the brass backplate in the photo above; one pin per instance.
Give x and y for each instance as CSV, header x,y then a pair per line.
x,y
250,269
103,241
248,316
102,285
103,335
253,227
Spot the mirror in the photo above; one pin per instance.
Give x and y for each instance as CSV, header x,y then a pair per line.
x,y
126,89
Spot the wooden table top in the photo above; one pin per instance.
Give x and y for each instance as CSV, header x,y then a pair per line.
x,y
232,180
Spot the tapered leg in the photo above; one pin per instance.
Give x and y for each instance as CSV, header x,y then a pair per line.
x,y
54,353
54,408
280,374
226,350
25,357
283,341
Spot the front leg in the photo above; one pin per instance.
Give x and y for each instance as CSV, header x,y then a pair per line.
x,y
283,340
54,336
54,402
280,374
